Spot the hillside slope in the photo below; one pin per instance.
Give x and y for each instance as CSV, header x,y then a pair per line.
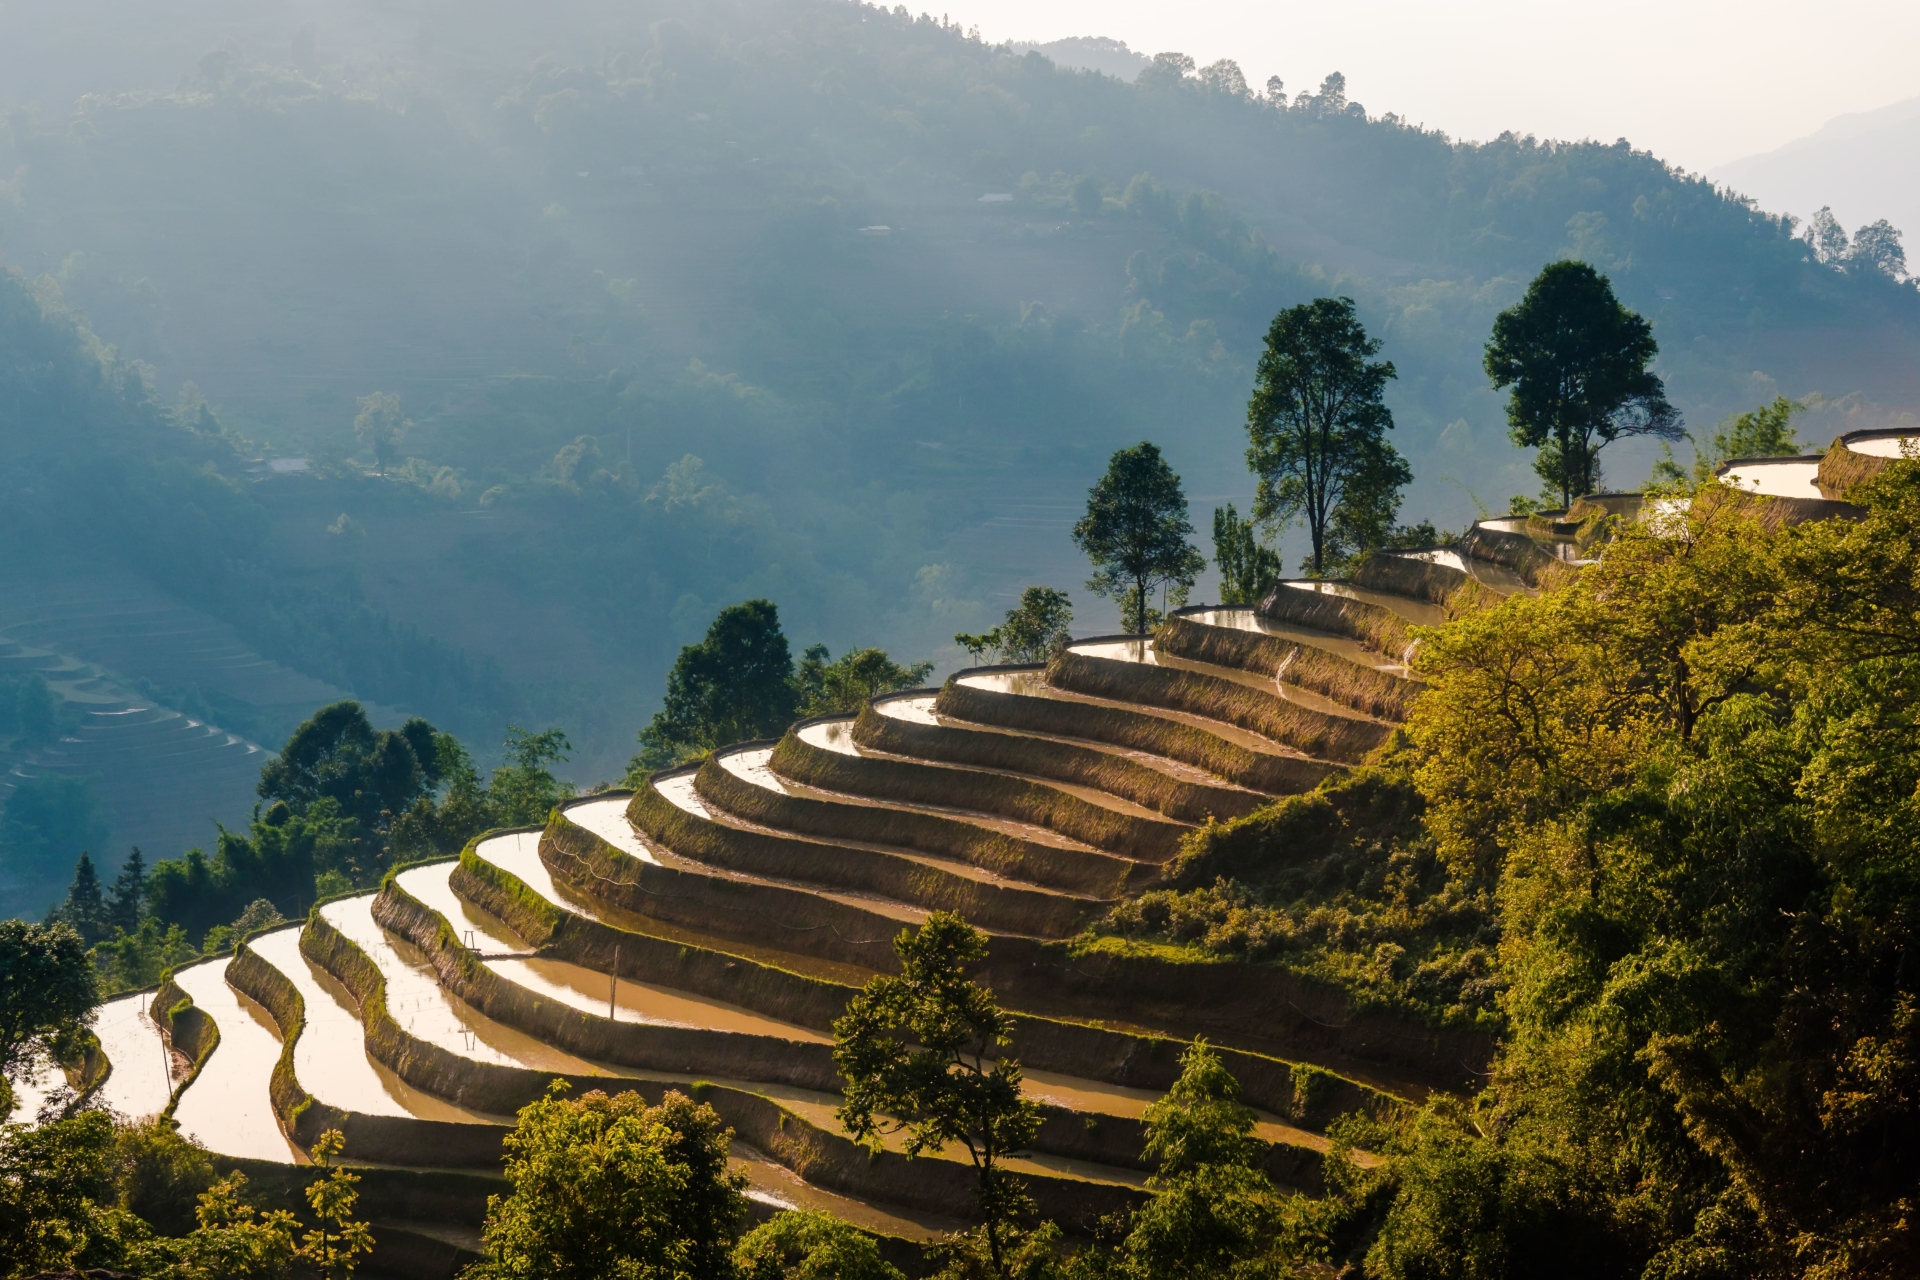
x,y
687,303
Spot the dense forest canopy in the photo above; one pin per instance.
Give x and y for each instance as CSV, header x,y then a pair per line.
x,y
688,304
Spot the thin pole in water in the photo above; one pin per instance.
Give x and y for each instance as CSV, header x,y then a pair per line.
x,y
166,1055
613,983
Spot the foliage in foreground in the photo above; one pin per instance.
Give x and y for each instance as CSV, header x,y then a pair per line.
x,y
611,1187
1694,772
88,1191
1343,884
47,994
804,1245
923,1054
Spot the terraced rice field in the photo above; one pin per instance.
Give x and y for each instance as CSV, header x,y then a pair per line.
x,y
161,777
703,932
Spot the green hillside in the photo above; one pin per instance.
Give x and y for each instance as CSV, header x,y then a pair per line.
x,y
586,245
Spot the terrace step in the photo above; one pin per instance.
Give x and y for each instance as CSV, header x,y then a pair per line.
x,y
1067,1099
1015,850
859,756
472,1054
911,724
1260,1009
1296,664
1131,669
1021,698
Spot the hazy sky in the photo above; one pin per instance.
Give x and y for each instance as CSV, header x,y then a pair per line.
x,y
1700,82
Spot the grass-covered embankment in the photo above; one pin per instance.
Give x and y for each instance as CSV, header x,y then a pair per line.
x,y
381,1139
646,1046
1267,772
1107,771
1366,689
1008,908
1343,886
1089,872
1131,835
1317,733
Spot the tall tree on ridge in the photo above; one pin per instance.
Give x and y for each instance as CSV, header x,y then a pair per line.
x,y
735,684
1577,362
1135,532
1316,427
85,908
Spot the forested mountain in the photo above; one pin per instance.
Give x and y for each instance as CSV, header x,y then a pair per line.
x,y
684,304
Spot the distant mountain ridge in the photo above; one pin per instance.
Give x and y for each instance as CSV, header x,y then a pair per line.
x,y
1865,164
1091,53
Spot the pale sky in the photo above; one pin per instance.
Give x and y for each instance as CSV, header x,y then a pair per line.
x,y
1699,82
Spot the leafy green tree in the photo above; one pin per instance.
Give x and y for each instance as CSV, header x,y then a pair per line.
x,y
1577,362
609,1186
1765,432
372,775
276,859
232,1240
1691,772
57,1191
1214,1212
85,907
1248,569
734,685
85,1192
524,790
337,1241
922,1054
1034,630
48,990
380,426
829,687
1316,426
1135,532
129,961
162,1174
805,1245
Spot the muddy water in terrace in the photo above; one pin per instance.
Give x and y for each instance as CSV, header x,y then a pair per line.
x,y
144,1069
227,1108
836,735
418,1002
519,855
1788,478
583,988
331,1060
1143,651
921,711
1033,684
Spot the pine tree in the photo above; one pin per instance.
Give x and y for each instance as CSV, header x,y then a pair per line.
x,y
127,899
84,909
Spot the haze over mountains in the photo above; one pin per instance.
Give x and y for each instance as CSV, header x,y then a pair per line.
x,y
688,303
1865,164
